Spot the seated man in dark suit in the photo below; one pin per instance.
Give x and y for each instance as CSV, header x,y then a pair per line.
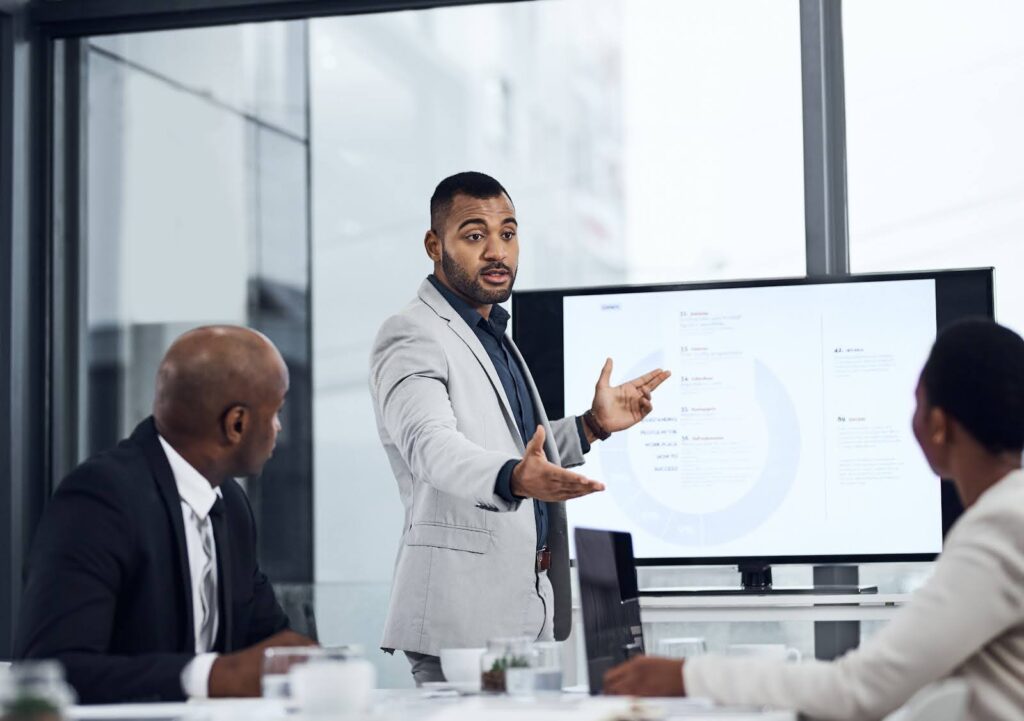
x,y
143,579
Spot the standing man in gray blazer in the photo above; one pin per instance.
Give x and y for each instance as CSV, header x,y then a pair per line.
x,y
480,468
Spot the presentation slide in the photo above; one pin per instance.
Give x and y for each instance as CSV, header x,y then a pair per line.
x,y
784,429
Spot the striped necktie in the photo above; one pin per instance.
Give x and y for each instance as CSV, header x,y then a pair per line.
x,y
208,584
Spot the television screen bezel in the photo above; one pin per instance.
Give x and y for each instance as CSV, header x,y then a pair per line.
x,y
556,410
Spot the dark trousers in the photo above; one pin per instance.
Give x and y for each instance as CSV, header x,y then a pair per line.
x,y
425,669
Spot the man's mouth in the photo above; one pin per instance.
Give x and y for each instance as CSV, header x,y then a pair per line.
x,y
496,276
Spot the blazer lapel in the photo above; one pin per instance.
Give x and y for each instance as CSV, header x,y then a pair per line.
x,y
225,575
429,295
146,436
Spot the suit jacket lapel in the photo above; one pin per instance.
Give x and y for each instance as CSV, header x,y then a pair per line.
x,y
222,539
429,295
146,436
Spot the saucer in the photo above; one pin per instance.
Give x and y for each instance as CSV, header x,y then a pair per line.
x,y
464,688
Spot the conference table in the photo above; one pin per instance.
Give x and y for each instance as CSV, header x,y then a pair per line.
x,y
413,705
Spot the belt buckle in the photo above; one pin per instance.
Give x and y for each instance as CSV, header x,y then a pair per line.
x,y
543,559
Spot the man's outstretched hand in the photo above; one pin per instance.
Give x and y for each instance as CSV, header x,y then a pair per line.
x,y
646,676
537,477
617,408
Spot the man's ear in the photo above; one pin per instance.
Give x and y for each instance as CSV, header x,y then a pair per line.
x,y
234,424
432,243
939,427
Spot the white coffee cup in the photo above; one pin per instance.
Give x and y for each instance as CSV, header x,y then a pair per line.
x,y
331,687
775,651
461,665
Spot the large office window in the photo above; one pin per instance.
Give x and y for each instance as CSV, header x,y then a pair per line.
x,y
197,210
934,101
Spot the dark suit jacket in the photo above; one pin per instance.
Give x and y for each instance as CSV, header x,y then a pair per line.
x,y
107,584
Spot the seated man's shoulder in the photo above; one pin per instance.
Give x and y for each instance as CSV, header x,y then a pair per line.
x,y
117,472
234,495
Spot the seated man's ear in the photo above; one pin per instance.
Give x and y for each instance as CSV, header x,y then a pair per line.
x,y
234,424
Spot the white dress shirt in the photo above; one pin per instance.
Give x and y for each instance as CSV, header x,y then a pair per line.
x,y
197,498
967,621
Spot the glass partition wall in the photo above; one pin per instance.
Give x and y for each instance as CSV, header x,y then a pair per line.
x,y
197,200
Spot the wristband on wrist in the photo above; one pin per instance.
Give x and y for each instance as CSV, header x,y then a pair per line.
x,y
599,432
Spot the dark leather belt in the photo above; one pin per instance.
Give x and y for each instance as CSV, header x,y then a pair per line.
x,y
543,559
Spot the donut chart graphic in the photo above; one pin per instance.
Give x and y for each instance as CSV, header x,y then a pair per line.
x,y
739,518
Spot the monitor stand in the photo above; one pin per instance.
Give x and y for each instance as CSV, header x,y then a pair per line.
x,y
756,580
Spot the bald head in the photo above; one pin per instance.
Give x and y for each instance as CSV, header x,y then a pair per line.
x,y
209,371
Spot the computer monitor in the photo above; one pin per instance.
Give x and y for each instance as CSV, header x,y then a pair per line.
x,y
784,432
609,601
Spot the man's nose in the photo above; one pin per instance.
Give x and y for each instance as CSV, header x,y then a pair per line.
x,y
495,249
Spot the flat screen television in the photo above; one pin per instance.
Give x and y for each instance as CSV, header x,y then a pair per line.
x,y
783,435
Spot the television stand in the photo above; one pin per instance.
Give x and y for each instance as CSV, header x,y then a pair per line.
x,y
756,580
756,577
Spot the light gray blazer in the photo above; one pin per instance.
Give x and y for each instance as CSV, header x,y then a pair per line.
x,y
465,570
966,621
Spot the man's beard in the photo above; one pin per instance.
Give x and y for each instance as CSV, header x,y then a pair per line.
x,y
473,288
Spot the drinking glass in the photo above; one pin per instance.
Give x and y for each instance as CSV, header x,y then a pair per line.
x,y
278,662
548,674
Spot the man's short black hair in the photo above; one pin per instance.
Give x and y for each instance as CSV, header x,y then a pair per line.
x,y
473,184
975,373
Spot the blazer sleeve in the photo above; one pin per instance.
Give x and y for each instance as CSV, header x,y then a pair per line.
x,y
408,382
567,437
975,594
83,551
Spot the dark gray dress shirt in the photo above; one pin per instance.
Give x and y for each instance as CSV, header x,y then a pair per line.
x,y
491,332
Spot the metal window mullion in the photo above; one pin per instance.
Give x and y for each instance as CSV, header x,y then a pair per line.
x,y
68,252
24,106
826,227
824,116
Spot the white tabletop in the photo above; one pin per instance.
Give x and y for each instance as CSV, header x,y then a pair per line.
x,y
407,705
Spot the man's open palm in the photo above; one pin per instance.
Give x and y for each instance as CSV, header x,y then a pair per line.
x,y
619,407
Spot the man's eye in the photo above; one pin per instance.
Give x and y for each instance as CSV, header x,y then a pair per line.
x,y
474,237
508,234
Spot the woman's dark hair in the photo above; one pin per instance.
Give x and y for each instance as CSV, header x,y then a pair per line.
x,y
975,373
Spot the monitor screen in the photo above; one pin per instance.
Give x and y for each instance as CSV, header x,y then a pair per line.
x,y
784,431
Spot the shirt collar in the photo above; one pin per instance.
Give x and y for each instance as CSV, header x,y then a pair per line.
x,y
498,317
193,488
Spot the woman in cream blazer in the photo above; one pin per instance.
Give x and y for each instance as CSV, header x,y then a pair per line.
x,y
967,621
